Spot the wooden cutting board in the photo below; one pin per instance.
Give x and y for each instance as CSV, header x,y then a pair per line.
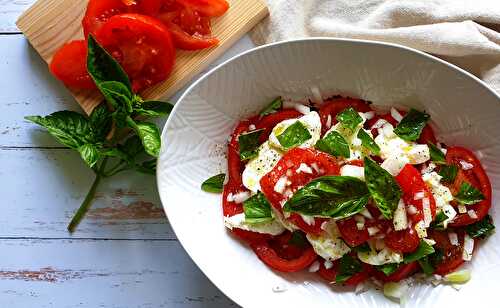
x,y
48,24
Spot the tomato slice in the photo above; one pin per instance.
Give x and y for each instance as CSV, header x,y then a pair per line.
x,y
147,7
142,45
411,183
323,163
100,11
334,106
403,241
476,176
69,65
404,270
270,257
209,8
451,254
331,273
249,236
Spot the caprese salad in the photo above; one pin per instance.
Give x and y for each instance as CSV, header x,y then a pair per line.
x,y
353,193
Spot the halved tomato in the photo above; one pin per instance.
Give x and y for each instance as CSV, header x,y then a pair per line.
x,y
100,11
450,256
69,65
142,45
403,241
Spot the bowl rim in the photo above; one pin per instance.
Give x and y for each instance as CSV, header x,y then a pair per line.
x,y
286,42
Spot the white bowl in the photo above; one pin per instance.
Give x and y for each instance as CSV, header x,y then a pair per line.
x,y
465,112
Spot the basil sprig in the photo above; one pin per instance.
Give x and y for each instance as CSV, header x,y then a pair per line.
x,y
411,125
330,196
112,132
257,209
448,173
274,106
214,184
368,142
423,250
437,156
388,268
348,266
294,135
481,229
438,222
468,194
349,118
249,144
333,143
383,188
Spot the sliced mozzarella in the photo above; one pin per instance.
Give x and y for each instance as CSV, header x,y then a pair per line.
x,y
400,220
355,171
257,167
273,227
311,122
442,194
329,248
395,164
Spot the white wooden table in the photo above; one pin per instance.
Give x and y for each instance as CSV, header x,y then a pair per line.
x,y
124,254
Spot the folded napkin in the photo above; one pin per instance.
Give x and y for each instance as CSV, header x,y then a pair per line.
x,y
463,32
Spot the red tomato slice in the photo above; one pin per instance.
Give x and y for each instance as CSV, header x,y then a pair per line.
x,y
476,177
331,273
404,270
249,236
142,45
334,106
325,165
69,65
452,254
100,11
270,257
403,241
147,7
411,182
209,8
350,232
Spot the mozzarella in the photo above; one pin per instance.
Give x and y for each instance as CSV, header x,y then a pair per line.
x,y
441,193
258,166
273,227
311,122
354,171
421,229
329,248
395,164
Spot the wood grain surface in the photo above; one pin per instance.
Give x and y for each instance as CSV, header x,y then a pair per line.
x,y
48,24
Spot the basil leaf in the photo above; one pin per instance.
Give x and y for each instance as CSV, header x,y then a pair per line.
x,y
257,209
448,173
438,221
114,152
100,121
348,266
214,184
436,258
426,266
362,248
423,249
368,142
468,194
274,106
68,127
294,135
89,153
436,154
411,125
153,109
481,229
334,144
330,196
349,118
117,94
298,239
388,269
383,188
149,135
132,147
249,144
103,67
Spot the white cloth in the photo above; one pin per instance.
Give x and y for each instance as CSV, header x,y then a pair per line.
x,y
463,32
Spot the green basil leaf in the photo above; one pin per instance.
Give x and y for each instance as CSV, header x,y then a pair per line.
x,y
388,269
274,106
89,153
423,249
481,229
132,147
437,155
411,125
448,173
349,118
118,95
368,142
334,144
468,194
426,266
249,144
438,221
100,121
114,152
214,184
383,188
68,127
330,196
298,239
153,109
362,248
257,209
103,67
348,266
294,135
149,135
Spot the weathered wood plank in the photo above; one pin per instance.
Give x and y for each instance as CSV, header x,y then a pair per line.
x,y
42,188
88,273
10,10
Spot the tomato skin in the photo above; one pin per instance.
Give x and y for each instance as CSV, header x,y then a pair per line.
x,y
452,254
142,45
209,8
403,241
404,271
476,177
411,182
99,12
270,257
69,65
249,236
350,233
334,106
